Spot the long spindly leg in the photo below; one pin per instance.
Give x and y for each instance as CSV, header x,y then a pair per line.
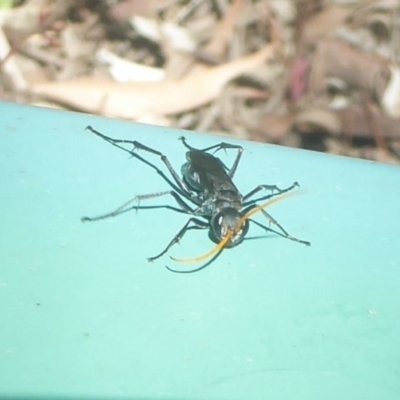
x,y
282,232
137,199
220,146
198,224
272,188
137,145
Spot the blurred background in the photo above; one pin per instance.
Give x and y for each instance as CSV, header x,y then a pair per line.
x,y
314,74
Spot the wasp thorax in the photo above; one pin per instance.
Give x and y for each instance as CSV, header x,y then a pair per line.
x,y
229,199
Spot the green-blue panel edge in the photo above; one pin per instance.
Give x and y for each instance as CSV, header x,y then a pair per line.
x,y
85,316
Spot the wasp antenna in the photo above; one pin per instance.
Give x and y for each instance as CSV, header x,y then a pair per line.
x,y
261,207
210,253
191,271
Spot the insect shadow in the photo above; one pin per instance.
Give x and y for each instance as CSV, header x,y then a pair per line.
x,y
215,202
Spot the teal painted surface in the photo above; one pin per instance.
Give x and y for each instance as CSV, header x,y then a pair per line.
x,y
84,315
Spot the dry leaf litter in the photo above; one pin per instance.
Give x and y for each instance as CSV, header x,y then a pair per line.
x,y
321,75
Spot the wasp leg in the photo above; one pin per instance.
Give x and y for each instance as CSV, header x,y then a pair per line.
x,y
198,224
283,232
185,191
137,199
272,188
217,147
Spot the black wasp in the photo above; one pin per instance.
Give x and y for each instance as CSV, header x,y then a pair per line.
x,y
207,183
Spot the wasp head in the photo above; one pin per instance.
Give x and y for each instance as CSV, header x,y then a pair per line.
x,y
228,220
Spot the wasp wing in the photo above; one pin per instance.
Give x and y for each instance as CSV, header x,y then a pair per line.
x,y
210,172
